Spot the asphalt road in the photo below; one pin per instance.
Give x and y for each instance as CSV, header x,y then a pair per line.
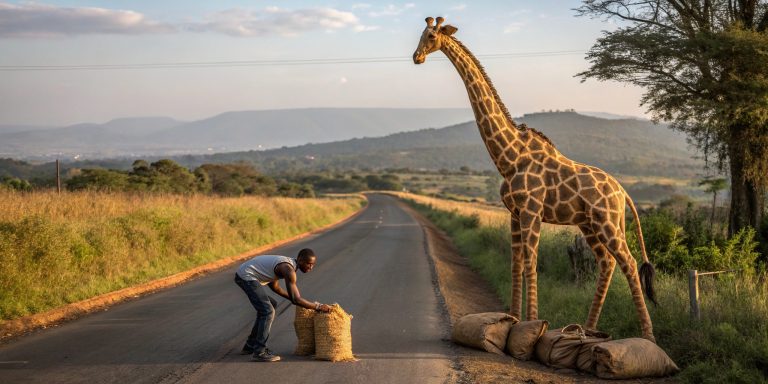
x,y
375,266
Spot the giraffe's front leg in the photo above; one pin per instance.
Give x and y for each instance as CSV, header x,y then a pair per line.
x,y
530,225
516,299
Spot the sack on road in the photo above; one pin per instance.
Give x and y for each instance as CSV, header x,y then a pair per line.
x,y
561,348
333,335
487,331
523,337
304,324
631,358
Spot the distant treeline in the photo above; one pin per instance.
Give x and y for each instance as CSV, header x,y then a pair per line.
x,y
235,179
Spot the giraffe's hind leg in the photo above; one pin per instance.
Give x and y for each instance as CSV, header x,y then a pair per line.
x,y
618,247
606,264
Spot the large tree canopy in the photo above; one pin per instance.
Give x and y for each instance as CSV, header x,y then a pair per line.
x,y
704,67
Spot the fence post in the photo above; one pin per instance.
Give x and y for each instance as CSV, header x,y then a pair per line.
x,y
693,293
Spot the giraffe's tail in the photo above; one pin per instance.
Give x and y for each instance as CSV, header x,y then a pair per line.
x,y
647,272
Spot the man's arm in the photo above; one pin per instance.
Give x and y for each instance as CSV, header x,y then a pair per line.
x,y
285,271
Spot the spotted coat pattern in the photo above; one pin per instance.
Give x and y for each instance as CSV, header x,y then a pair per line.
x,y
542,185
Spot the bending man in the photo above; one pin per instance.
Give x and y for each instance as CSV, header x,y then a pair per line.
x,y
259,271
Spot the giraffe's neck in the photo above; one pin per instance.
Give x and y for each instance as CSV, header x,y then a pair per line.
x,y
501,136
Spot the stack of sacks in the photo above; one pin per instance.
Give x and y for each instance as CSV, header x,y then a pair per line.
x,y
523,337
328,336
631,358
487,331
304,325
333,335
571,347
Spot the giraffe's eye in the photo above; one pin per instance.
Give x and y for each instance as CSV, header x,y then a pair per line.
x,y
432,36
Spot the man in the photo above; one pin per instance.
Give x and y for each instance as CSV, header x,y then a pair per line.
x,y
253,275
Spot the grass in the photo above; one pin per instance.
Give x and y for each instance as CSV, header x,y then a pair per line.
x,y
729,344
58,249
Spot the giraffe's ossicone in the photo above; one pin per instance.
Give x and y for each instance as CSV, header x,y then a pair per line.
x,y
542,185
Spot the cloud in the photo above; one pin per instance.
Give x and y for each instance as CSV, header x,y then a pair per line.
x,y
459,7
391,10
278,21
360,5
366,28
343,80
40,20
514,26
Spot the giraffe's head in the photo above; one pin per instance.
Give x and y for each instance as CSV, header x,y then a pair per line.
x,y
432,39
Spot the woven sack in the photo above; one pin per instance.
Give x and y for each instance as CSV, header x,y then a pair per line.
x,y
560,348
333,335
487,331
304,324
523,337
631,358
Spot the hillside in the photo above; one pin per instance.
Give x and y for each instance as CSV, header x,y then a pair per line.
x,y
627,147
624,146
227,132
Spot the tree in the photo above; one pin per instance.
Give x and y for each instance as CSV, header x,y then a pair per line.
x,y
713,186
704,67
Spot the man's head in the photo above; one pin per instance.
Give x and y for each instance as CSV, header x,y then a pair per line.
x,y
306,260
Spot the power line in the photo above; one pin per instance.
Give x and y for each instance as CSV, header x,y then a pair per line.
x,y
254,63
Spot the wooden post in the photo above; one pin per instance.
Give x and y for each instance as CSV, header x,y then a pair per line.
x,y
58,176
693,293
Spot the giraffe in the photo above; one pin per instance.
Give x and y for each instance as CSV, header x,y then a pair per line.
x,y
542,185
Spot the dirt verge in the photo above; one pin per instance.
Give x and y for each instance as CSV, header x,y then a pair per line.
x,y
12,329
465,292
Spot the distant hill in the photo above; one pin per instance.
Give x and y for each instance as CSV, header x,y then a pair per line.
x,y
630,147
231,131
624,146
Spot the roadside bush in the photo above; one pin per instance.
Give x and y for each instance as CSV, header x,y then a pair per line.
x,y
671,250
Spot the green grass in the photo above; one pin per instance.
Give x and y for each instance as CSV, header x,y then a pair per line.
x,y
59,249
728,345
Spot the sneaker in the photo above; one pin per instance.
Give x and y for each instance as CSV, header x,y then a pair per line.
x,y
266,356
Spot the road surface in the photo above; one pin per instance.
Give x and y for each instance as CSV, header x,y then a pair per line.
x,y
375,266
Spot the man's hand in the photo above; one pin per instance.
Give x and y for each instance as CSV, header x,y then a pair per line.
x,y
324,308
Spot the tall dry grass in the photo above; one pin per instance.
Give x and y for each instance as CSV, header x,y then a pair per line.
x,y
56,249
488,215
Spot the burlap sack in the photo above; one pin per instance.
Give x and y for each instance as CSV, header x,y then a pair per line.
x,y
523,337
631,358
304,324
560,348
333,335
487,331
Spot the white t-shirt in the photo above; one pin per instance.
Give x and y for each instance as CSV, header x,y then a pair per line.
x,y
262,268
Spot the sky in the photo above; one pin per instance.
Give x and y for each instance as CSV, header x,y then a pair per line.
x,y
67,62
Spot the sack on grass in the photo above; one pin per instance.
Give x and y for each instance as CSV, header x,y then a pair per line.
x,y
523,337
487,331
333,335
304,324
561,348
631,358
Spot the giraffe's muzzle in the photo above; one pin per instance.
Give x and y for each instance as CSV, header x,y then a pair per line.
x,y
418,57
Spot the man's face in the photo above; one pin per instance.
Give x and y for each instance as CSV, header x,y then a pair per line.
x,y
307,265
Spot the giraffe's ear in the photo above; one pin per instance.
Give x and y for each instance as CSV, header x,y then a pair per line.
x,y
448,30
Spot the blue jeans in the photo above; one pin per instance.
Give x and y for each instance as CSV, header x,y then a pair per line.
x,y
265,313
